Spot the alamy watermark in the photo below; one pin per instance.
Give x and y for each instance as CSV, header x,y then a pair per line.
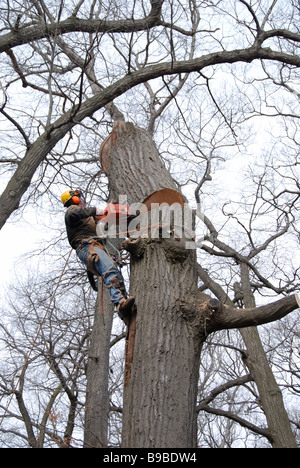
x,y
157,220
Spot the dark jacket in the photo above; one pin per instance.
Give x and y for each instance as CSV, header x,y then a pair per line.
x,y
80,224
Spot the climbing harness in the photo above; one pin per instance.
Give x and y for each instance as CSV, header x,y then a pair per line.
x,y
94,242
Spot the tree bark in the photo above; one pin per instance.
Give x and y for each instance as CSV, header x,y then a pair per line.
x,y
97,395
230,317
160,400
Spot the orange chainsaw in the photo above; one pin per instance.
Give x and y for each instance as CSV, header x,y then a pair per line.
x,y
115,213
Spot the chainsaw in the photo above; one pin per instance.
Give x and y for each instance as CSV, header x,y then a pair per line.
x,y
115,213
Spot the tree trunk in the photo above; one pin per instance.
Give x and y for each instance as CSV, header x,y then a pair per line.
x,y
159,408
160,400
97,396
281,435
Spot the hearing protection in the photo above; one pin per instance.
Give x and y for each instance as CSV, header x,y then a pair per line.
x,y
75,200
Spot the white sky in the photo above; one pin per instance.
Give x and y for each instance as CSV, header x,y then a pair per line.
x,y
15,241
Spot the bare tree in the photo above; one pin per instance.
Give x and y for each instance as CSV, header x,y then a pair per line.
x,y
87,70
49,360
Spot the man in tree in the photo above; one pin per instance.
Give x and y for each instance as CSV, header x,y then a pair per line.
x,y
81,230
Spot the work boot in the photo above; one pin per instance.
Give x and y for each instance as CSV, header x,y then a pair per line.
x,y
125,307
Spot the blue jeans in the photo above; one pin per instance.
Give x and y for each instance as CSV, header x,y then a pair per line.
x,y
106,268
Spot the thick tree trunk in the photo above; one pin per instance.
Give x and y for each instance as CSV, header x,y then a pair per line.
x,y
159,408
160,400
97,396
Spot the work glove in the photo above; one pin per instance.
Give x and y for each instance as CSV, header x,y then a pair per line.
x,y
100,213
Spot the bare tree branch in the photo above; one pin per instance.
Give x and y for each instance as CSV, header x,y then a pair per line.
x,y
28,34
19,183
229,317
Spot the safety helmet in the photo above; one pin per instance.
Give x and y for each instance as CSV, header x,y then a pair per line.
x,y
72,197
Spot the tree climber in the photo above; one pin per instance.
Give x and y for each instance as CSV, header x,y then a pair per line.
x,y
81,231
